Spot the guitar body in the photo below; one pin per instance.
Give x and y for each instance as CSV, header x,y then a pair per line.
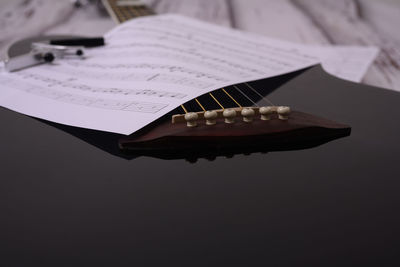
x,y
67,201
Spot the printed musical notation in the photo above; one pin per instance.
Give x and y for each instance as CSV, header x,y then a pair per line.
x,y
62,96
69,83
148,66
99,74
154,67
194,57
272,55
347,62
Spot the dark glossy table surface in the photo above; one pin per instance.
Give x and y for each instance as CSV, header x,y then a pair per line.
x,y
64,202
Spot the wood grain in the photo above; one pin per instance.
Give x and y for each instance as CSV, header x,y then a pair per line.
x,y
20,19
346,22
280,19
341,22
301,129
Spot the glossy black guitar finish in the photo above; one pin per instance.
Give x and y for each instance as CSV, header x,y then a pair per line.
x,y
64,202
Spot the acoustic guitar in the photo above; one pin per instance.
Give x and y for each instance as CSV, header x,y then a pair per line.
x,y
64,202
222,120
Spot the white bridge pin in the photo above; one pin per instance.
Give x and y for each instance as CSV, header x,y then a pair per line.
x,y
283,112
266,113
210,116
248,114
191,119
229,115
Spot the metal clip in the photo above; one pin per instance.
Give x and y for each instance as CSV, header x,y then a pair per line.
x,y
42,53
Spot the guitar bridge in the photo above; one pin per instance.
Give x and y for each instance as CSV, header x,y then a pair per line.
x,y
229,115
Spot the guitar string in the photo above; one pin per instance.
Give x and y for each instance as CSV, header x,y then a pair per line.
x,y
237,88
231,97
184,109
213,97
198,102
263,97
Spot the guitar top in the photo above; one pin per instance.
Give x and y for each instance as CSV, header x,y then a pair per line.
x,y
66,202
316,205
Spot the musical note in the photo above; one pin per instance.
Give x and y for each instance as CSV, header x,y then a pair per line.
x,y
136,77
148,66
50,82
152,67
133,106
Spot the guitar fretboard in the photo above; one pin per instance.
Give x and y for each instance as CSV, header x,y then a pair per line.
x,y
123,10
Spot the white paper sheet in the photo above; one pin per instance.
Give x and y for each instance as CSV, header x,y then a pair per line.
x,y
346,62
148,67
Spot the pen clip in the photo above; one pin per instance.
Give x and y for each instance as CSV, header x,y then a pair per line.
x,y
42,53
58,51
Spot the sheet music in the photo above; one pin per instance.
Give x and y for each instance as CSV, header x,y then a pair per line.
x,y
148,67
346,62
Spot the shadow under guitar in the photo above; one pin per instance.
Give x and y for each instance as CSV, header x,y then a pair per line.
x,y
163,140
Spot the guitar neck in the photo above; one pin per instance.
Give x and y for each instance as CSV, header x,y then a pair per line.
x,y
123,10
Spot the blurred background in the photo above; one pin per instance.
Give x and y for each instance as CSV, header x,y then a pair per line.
x,y
326,22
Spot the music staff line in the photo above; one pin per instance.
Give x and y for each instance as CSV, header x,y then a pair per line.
x,y
182,58
234,38
69,83
200,57
222,45
136,77
141,66
95,102
231,64
273,56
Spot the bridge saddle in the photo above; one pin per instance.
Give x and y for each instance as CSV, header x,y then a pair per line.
x,y
248,114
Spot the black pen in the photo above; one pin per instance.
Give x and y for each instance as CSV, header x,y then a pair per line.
x,y
86,42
